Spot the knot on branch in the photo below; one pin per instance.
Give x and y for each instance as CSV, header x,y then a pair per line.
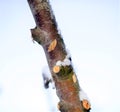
x,y
39,35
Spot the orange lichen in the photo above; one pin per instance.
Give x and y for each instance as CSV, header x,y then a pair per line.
x,y
56,69
86,104
52,45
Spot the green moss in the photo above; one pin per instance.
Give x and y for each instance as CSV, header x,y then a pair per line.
x,y
65,72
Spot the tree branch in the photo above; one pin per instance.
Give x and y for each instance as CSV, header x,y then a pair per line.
x,y
59,61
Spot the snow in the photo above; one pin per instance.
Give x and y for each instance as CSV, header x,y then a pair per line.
x,y
65,62
83,96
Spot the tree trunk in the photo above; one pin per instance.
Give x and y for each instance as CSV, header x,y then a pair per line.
x,y
59,61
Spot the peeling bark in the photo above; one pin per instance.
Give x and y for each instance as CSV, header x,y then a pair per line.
x,y
47,34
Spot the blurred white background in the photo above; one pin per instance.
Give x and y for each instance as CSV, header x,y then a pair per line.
x,y
91,31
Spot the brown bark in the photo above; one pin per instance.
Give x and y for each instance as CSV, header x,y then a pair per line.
x,y
47,34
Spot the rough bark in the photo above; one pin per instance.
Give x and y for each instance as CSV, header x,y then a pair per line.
x,y
47,35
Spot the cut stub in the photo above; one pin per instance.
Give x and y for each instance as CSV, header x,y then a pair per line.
x,y
86,104
74,78
56,69
52,45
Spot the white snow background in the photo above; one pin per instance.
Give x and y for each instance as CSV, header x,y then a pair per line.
x,y
91,31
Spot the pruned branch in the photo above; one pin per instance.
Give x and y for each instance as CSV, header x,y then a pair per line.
x,y
59,61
